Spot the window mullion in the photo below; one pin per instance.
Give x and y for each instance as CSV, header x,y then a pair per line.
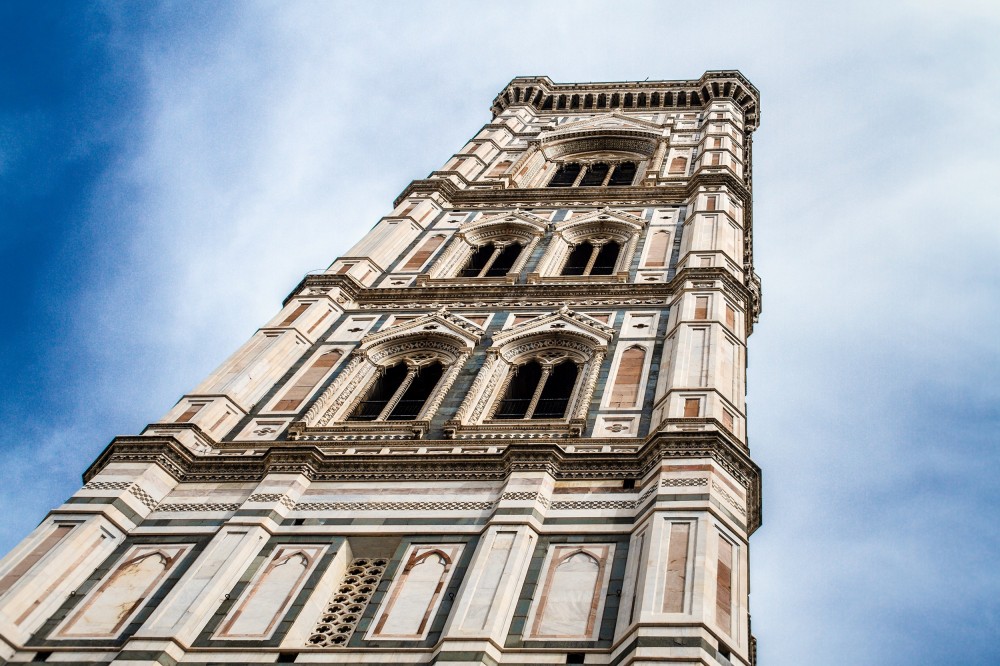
x,y
579,176
593,257
411,374
497,249
546,371
607,177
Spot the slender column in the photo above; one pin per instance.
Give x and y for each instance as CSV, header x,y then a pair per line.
x,y
471,398
607,178
588,387
497,249
579,176
546,371
593,256
656,163
411,374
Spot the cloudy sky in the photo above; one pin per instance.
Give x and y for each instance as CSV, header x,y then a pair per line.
x,y
169,171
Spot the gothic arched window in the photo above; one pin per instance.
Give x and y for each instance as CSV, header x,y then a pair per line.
x,y
492,260
539,392
398,393
592,257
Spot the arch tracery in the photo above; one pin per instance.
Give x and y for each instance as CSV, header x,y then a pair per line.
x,y
494,248
399,374
540,374
600,244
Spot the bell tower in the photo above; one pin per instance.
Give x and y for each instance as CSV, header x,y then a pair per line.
x,y
508,426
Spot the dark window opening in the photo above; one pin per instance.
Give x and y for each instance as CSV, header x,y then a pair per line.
x,y
492,261
380,393
565,175
478,260
556,393
588,259
606,259
387,387
596,173
416,394
576,657
520,391
576,263
504,261
536,394
624,174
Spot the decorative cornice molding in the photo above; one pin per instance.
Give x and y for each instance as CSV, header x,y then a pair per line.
x,y
542,295
539,93
534,455
665,194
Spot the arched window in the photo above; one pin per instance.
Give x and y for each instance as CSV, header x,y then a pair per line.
x,y
565,175
398,393
595,174
607,257
624,174
492,260
576,262
592,257
538,392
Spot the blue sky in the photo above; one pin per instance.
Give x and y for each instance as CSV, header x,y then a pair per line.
x,y
169,171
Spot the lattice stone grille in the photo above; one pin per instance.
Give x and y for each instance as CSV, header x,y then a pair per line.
x,y
107,485
732,501
143,496
394,506
337,623
692,482
198,507
284,500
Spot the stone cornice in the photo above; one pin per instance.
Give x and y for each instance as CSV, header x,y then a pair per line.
x,y
349,287
541,295
540,93
536,455
672,194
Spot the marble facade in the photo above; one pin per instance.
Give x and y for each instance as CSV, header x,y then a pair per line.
x,y
507,427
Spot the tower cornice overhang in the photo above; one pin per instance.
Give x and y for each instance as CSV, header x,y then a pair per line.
x,y
539,93
539,295
536,455
672,194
